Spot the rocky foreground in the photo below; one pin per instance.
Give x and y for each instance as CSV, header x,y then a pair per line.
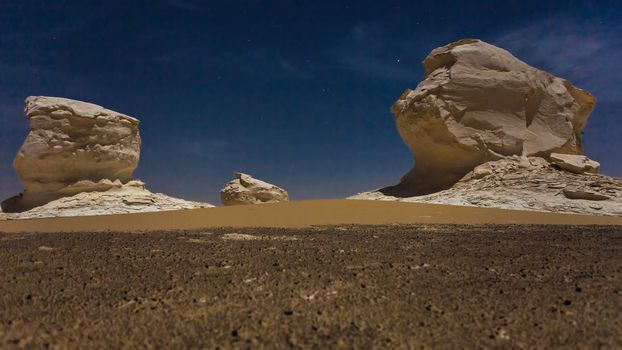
x,y
132,197
323,287
528,183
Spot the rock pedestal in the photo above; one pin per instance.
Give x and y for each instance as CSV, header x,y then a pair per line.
x,y
487,129
479,103
78,159
73,147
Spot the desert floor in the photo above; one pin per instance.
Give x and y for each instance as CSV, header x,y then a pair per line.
x,y
394,286
301,214
299,274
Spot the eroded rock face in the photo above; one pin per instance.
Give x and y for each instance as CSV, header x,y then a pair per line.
x,y
111,198
575,193
479,103
245,189
525,183
71,145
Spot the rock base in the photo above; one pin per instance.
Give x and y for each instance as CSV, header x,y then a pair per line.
x,y
122,199
522,183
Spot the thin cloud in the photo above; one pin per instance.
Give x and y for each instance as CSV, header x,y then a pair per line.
x,y
589,54
262,63
369,52
255,62
185,5
209,149
292,70
60,23
584,52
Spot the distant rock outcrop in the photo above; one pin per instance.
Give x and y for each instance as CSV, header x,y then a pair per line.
x,y
245,189
73,148
479,103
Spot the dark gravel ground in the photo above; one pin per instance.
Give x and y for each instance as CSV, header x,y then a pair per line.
x,y
327,287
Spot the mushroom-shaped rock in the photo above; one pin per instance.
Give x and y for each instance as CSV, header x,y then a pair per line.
x,y
245,189
71,142
575,163
479,103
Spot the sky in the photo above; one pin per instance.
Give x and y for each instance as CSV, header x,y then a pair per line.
x,y
296,93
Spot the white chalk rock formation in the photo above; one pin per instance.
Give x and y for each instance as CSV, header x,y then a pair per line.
x,y
488,130
72,141
78,159
119,198
245,189
525,183
479,103
575,163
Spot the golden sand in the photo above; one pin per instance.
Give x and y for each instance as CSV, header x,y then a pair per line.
x,y
300,214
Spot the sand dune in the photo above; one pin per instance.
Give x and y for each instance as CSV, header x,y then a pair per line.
x,y
303,214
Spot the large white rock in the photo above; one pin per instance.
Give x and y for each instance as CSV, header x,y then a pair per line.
x,y
575,163
479,103
72,141
245,189
78,159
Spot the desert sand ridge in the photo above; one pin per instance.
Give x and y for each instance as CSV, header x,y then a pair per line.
x,y
300,214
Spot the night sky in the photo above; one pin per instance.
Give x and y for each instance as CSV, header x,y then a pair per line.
x,y
296,93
